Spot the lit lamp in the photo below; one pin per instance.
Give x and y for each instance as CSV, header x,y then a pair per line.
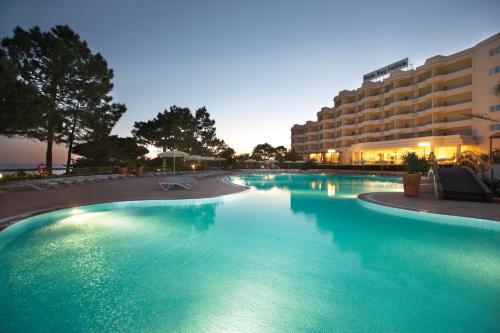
x,y
424,145
1,175
193,166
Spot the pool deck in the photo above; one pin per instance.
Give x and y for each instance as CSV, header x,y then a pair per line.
x,y
18,205
427,202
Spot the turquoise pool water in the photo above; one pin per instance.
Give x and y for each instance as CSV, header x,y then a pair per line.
x,y
295,253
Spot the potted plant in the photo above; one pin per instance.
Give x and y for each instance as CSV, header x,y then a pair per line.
x,y
123,169
139,169
414,166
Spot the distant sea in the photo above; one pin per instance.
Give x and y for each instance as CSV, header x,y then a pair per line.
x,y
25,166
57,169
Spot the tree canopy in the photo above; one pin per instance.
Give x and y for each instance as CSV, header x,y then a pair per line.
x,y
21,107
68,88
110,151
265,151
178,128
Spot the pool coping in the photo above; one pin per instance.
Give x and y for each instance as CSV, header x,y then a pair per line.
x,y
371,198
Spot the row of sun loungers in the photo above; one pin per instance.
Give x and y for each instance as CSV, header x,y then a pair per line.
x,y
187,180
196,174
51,183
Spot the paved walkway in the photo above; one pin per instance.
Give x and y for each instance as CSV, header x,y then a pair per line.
x,y
21,204
427,202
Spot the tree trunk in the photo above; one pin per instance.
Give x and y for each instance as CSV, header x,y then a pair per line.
x,y
70,143
68,159
50,127
48,154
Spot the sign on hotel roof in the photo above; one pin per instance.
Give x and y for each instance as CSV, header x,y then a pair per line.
x,y
386,70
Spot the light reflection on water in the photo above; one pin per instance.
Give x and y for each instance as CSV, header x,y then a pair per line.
x,y
294,253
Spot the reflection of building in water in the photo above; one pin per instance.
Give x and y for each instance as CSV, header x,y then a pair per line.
x,y
330,189
383,242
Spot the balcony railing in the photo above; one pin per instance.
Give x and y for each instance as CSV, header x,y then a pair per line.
x,y
453,70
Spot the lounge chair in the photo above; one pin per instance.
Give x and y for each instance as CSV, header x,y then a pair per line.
x,y
184,182
42,185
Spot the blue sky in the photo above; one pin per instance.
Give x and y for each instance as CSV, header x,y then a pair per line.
x,y
258,66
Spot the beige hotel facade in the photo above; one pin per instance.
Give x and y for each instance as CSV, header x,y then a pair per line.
x,y
424,109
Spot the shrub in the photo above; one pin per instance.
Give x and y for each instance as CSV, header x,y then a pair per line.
x,y
412,163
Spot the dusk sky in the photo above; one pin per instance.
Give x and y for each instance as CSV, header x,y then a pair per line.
x,y
258,66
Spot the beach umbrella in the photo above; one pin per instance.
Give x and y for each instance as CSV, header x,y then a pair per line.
x,y
300,162
208,158
250,160
270,162
220,159
173,154
195,158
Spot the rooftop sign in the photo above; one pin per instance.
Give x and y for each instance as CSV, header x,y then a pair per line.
x,y
386,70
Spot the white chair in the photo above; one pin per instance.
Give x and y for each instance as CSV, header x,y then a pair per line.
x,y
184,182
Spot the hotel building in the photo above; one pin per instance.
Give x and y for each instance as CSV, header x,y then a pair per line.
x,y
424,109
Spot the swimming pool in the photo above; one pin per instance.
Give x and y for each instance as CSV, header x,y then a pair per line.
x,y
294,253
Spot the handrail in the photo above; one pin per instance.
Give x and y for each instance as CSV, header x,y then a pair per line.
x,y
433,172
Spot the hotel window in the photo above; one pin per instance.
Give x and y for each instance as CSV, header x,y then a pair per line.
x,y
494,70
495,108
495,127
494,51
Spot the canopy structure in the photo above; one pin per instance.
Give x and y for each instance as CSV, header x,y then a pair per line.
x,y
300,162
219,159
288,163
249,161
208,158
195,158
173,154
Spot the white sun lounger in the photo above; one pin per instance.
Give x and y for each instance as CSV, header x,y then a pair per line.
x,y
178,181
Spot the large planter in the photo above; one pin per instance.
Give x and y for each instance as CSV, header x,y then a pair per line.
x,y
123,170
139,171
411,184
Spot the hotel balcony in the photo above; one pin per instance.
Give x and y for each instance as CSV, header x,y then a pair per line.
x,y
453,106
448,90
423,82
351,103
403,89
452,74
463,122
405,101
372,98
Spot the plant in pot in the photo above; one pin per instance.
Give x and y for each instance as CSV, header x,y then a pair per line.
x,y
139,168
414,166
123,168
